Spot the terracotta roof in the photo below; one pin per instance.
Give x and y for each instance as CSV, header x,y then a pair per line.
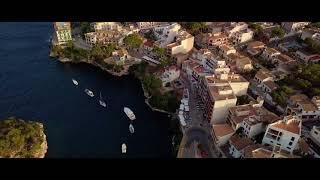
x,y
240,142
222,129
271,50
255,44
225,47
291,125
298,97
244,61
284,58
261,153
149,43
263,74
199,69
303,146
307,105
247,151
271,85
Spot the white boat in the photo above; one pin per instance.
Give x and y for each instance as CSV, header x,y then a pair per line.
x,y
124,148
90,93
102,103
131,128
75,82
129,113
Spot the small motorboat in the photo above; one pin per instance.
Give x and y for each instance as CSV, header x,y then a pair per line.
x,y
102,103
131,128
129,113
90,93
124,148
75,82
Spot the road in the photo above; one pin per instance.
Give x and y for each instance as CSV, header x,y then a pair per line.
x,y
78,41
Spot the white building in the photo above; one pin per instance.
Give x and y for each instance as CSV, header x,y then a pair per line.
x,y
221,133
147,25
300,105
244,64
225,50
170,74
62,33
236,27
183,43
315,135
284,134
237,145
270,54
252,126
107,26
307,56
294,26
262,76
166,33
242,36
255,47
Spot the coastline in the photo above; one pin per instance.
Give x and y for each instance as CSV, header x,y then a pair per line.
x,y
123,72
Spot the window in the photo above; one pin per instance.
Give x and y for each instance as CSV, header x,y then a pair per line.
x,y
292,139
290,143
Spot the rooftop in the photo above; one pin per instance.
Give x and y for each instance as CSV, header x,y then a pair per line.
x,y
291,124
261,153
271,85
225,47
255,44
221,92
149,43
285,59
263,74
225,78
298,97
222,129
240,142
199,69
244,61
271,50
248,151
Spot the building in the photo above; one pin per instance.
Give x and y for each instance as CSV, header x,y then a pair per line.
x,y
221,133
270,54
248,151
235,27
315,135
254,125
238,114
237,145
148,45
225,50
107,26
293,26
255,47
170,74
244,64
307,56
147,25
269,86
62,33
166,33
103,37
242,36
313,33
263,75
284,134
183,44
300,105
119,56
218,93
216,39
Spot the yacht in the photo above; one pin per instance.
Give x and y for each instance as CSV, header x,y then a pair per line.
x,y
90,93
75,82
102,103
124,148
129,113
131,128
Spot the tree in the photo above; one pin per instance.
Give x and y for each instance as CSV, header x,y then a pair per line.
x,y
195,27
150,35
278,32
133,41
85,27
244,99
256,27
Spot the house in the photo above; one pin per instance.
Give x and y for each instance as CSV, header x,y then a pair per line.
x,y
268,86
255,47
300,105
315,135
269,54
237,145
307,56
166,33
103,37
283,59
107,26
263,75
244,64
180,58
188,66
147,25
238,114
183,44
284,134
170,74
221,133
62,33
218,93
120,56
293,26
235,27
248,151
216,39
242,36
148,45
225,50
289,46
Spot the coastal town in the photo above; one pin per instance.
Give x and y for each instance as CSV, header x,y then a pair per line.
x,y
235,89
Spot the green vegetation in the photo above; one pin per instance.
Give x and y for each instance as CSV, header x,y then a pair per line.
x,y
151,83
162,56
195,27
266,63
100,52
19,138
244,99
314,45
138,70
85,27
70,52
167,101
281,95
250,74
305,78
278,32
133,41
255,27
